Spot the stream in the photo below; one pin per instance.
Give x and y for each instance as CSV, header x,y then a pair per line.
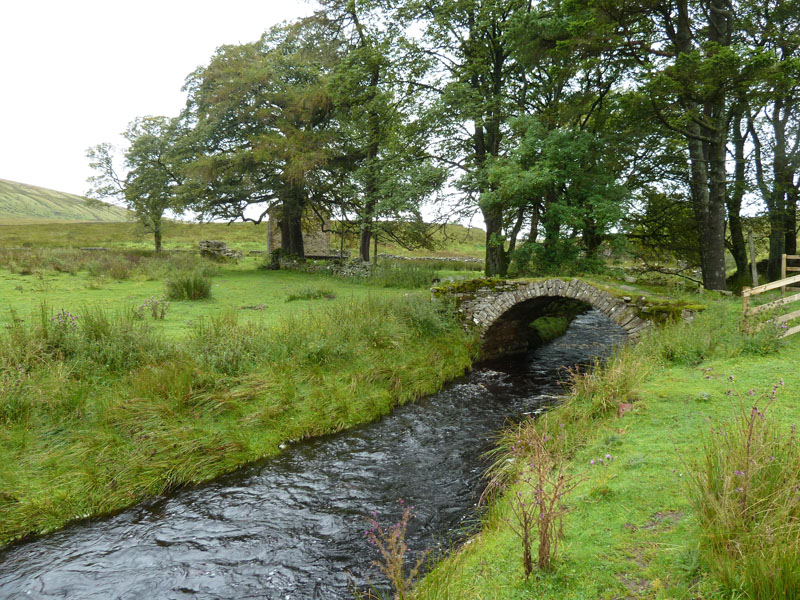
x,y
293,526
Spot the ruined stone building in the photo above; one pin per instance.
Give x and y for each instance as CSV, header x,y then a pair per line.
x,y
316,243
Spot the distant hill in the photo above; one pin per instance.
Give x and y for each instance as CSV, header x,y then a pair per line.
x,y
21,203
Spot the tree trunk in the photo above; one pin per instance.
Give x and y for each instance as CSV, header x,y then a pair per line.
x,y
496,263
292,223
365,239
777,242
790,226
715,224
791,221
734,202
707,147
157,235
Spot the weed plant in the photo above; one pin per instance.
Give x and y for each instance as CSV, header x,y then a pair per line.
x,y
156,307
390,543
538,497
745,493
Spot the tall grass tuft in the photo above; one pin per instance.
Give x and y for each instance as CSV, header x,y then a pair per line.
x,y
746,495
222,344
188,285
714,333
311,293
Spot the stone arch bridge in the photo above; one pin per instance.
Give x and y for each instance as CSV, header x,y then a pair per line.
x,y
502,310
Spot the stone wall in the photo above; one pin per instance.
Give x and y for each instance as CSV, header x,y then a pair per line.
x,y
457,259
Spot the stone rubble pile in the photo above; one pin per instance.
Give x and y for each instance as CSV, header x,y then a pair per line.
x,y
217,250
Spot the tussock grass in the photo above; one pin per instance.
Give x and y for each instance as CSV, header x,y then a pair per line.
x,y
113,264
100,411
190,285
744,491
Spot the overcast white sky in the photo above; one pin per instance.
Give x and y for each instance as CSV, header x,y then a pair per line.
x,y
73,74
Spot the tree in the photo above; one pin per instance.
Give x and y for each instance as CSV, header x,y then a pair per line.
x,y
382,161
773,119
153,172
260,116
692,71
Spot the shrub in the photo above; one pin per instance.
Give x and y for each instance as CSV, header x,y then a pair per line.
x,y
110,265
188,286
745,495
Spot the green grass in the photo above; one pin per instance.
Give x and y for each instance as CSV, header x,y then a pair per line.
x,y
257,295
110,393
633,531
21,203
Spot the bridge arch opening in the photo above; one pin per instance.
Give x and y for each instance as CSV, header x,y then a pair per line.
x,y
530,324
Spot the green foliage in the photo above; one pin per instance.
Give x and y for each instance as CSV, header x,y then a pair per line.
x,y
150,185
272,147
188,285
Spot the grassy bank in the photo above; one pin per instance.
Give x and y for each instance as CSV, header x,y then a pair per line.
x,y
100,407
633,530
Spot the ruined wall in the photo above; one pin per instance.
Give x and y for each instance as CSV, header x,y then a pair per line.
x,y
315,242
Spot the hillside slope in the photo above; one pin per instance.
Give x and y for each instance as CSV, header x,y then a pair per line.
x,y
22,203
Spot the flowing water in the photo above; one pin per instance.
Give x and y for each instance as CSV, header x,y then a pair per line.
x,y
292,527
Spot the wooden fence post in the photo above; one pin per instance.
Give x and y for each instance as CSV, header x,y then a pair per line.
x,y
753,267
783,274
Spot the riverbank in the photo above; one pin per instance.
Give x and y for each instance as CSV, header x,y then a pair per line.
x,y
103,410
632,531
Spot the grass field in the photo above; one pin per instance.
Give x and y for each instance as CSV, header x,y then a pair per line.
x,y
453,240
255,295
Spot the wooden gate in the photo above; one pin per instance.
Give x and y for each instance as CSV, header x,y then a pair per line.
x,y
785,284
